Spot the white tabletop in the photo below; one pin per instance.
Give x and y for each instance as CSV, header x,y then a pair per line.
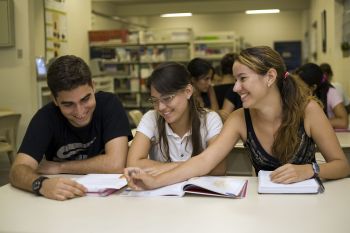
x,y
323,213
344,139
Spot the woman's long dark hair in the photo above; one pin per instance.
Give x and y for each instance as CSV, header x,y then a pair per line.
x,y
313,75
199,68
169,78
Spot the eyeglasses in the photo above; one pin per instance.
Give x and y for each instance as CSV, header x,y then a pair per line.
x,y
166,99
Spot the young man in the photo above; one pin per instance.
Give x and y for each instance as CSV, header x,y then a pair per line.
x,y
79,132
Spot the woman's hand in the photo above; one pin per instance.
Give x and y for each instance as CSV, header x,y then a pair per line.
x,y
138,179
290,173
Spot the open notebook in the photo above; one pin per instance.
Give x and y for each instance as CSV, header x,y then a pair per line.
x,y
102,184
205,185
267,186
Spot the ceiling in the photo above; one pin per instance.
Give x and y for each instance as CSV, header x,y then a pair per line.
x,y
126,8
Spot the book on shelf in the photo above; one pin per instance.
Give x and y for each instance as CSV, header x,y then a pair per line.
x,y
204,185
306,186
102,184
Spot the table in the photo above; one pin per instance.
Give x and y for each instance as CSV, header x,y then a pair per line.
x,y
344,140
323,213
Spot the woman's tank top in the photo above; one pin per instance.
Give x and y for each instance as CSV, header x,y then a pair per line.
x,y
261,160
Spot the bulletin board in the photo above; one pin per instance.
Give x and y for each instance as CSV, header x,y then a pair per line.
x,y
55,28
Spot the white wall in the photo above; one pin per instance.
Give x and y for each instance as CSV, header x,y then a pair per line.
x,y
16,73
333,55
256,29
79,23
18,90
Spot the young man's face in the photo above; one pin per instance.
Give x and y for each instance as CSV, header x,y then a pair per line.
x,y
77,105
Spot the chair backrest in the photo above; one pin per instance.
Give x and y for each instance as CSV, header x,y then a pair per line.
x,y
8,129
135,116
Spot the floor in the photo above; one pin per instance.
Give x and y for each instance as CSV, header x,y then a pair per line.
x,y
4,169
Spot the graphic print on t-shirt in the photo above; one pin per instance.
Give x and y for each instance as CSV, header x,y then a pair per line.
x,y
74,151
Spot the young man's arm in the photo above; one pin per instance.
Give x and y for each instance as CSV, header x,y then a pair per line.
x,y
23,173
113,161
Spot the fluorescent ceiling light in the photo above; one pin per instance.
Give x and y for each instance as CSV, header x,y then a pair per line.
x,y
176,15
268,11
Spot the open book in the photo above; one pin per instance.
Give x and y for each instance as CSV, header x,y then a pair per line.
x,y
102,184
205,185
267,186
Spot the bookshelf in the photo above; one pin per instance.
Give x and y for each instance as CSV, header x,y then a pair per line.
x,y
130,64
213,46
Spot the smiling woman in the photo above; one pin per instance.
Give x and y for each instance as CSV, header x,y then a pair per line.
x,y
178,128
279,126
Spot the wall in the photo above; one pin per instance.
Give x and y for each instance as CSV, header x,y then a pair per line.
x,y
79,23
104,23
333,55
256,29
18,90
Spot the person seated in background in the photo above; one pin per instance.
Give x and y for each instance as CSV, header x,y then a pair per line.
x,y
327,70
177,129
226,78
79,132
279,125
202,73
332,102
224,91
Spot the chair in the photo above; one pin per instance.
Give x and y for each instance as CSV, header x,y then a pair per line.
x,y
135,116
8,134
239,164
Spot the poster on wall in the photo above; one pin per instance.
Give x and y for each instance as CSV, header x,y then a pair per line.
x,y
55,28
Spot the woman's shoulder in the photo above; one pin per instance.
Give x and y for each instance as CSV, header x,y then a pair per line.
x,y
148,123
150,115
312,106
236,118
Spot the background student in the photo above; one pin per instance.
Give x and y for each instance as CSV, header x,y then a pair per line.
x,y
79,132
178,128
327,70
280,125
231,100
333,104
202,73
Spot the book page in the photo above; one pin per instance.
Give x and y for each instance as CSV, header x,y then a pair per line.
x,y
101,182
170,190
267,186
222,185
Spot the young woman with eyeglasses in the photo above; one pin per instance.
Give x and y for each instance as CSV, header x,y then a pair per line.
x,y
177,129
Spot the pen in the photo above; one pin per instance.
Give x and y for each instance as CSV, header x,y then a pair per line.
x,y
321,188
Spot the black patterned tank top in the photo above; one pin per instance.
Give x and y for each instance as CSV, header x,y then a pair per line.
x,y
261,160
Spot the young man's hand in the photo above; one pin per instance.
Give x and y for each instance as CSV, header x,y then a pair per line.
x,y
61,189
